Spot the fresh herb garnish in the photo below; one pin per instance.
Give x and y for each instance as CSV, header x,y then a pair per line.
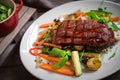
x,y
47,35
112,55
100,16
53,26
81,56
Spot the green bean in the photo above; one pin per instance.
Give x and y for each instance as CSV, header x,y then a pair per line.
x,y
3,16
5,12
9,11
3,8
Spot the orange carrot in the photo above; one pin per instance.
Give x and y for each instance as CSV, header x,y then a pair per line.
x,y
47,44
64,71
40,37
47,25
117,18
53,59
78,15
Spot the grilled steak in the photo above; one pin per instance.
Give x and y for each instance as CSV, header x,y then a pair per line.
x,y
84,32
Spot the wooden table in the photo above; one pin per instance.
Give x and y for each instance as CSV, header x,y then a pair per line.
x,y
10,40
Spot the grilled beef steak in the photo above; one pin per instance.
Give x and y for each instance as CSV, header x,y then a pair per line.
x,y
84,32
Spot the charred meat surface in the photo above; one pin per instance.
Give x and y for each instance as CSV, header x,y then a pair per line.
x,y
84,32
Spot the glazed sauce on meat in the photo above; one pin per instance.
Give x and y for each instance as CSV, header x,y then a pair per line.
x,y
84,32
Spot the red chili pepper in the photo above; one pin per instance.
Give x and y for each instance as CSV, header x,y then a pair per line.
x,y
35,51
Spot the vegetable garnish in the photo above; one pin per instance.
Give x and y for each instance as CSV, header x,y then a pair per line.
x,y
47,44
35,51
100,16
94,64
112,25
41,36
62,62
65,71
76,39
76,63
47,25
53,59
112,55
81,56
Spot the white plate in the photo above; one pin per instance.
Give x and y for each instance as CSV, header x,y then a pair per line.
x,y
108,67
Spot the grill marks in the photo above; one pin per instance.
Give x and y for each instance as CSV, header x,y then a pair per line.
x,y
84,32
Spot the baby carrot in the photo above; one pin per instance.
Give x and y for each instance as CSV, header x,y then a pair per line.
x,y
53,59
65,71
46,25
117,18
40,37
78,15
47,44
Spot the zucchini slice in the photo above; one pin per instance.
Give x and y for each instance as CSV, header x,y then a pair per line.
x,y
76,63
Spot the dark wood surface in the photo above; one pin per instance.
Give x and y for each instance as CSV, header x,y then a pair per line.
x,y
12,67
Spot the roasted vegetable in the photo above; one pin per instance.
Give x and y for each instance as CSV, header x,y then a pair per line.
x,y
78,47
94,63
92,55
76,63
